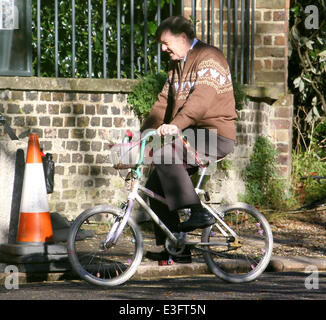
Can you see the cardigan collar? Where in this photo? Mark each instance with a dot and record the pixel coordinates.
(193, 44)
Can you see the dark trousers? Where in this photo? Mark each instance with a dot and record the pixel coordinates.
(173, 181)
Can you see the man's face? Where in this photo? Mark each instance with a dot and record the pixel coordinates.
(176, 45)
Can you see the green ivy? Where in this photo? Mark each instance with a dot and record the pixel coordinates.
(239, 94)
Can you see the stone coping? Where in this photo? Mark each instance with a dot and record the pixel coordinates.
(107, 85)
(67, 84)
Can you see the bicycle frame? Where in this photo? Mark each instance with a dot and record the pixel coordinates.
(119, 225)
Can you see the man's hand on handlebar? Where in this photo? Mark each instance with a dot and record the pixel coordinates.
(165, 129)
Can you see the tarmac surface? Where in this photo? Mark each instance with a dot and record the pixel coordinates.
(151, 269)
(59, 267)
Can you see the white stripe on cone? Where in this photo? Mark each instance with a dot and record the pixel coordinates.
(34, 195)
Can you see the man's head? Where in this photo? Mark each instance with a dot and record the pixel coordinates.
(176, 35)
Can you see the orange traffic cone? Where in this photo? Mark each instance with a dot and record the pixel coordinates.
(34, 221)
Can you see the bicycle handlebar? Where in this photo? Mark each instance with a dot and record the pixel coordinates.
(149, 134)
(152, 133)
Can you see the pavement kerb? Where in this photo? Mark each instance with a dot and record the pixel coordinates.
(148, 270)
(296, 263)
(277, 264)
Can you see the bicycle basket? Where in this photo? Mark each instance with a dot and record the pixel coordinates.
(124, 155)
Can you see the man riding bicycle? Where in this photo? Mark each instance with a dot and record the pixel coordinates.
(197, 98)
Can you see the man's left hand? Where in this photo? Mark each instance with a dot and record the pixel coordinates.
(165, 129)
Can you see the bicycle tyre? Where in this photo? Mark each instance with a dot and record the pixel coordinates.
(103, 266)
(247, 261)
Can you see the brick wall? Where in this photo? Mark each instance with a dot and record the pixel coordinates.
(77, 122)
(271, 42)
(77, 128)
(273, 120)
(270, 119)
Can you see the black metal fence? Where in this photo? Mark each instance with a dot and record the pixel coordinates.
(115, 39)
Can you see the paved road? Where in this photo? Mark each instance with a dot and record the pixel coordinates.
(270, 286)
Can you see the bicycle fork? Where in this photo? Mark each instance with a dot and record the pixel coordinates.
(118, 226)
(121, 221)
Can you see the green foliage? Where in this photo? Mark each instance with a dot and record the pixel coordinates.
(304, 166)
(239, 95)
(224, 165)
(264, 188)
(47, 63)
(145, 93)
(307, 81)
(307, 69)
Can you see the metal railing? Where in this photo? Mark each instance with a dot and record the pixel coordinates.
(238, 46)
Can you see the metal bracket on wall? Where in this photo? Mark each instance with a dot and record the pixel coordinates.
(7, 128)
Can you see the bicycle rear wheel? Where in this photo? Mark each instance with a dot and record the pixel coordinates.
(91, 260)
(242, 258)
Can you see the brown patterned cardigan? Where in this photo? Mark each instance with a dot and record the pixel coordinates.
(201, 96)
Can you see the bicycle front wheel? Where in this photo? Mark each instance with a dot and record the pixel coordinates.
(98, 264)
(240, 258)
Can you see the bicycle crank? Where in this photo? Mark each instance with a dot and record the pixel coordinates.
(171, 248)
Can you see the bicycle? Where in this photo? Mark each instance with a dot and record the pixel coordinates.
(105, 245)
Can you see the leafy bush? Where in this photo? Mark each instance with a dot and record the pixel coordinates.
(264, 188)
(305, 165)
(145, 94)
